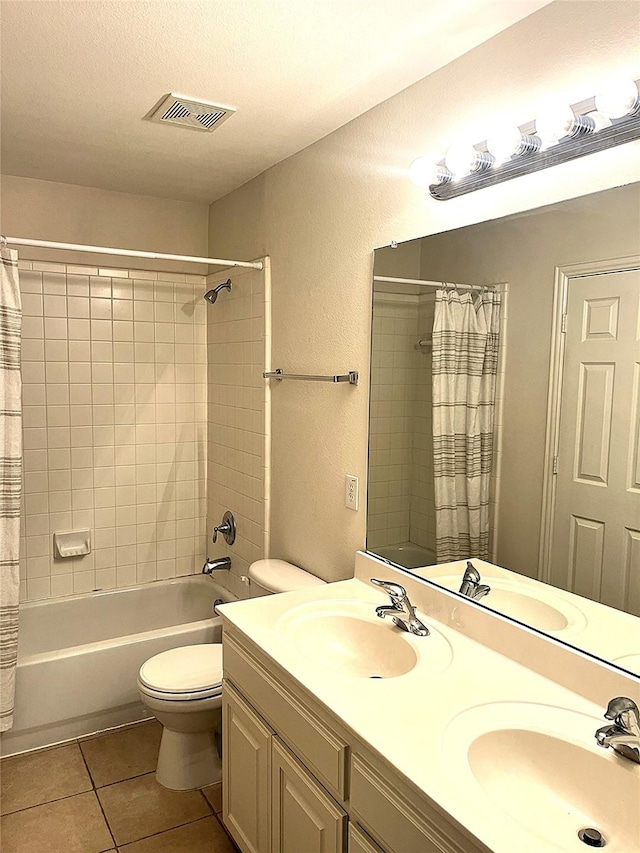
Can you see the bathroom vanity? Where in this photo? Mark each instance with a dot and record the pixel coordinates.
(343, 733)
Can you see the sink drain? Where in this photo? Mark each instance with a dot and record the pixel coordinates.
(591, 837)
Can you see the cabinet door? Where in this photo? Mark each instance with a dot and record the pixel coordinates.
(361, 843)
(246, 776)
(304, 816)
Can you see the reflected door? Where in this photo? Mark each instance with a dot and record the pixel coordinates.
(596, 532)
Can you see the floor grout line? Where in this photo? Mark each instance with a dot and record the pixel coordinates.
(162, 831)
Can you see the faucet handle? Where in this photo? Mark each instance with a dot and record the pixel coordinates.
(396, 591)
(471, 573)
(227, 528)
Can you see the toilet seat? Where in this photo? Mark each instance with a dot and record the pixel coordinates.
(182, 674)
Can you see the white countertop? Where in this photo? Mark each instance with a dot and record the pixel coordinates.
(409, 720)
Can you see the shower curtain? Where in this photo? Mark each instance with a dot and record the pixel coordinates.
(465, 358)
(10, 477)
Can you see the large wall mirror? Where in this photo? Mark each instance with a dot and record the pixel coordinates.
(504, 415)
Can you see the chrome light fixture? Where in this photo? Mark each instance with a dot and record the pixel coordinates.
(561, 133)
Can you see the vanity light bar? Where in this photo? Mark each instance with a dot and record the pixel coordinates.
(557, 136)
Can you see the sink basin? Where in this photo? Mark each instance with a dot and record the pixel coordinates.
(514, 600)
(541, 767)
(347, 637)
(630, 662)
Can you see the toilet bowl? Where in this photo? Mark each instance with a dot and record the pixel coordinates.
(183, 689)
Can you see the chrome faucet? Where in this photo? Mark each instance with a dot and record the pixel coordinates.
(211, 566)
(471, 586)
(401, 609)
(624, 735)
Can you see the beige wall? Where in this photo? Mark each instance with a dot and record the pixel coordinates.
(524, 252)
(320, 214)
(45, 210)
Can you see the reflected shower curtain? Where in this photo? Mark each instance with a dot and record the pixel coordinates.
(465, 360)
(10, 477)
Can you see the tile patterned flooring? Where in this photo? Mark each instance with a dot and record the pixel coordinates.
(99, 795)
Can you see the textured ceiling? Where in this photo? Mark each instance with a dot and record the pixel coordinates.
(77, 78)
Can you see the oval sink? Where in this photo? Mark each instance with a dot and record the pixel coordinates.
(348, 638)
(630, 662)
(541, 766)
(512, 600)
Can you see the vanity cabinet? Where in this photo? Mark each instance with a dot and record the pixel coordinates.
(295, 782)
(271, 802)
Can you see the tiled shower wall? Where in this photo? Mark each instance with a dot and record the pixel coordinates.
(237, 391)
(394, 363)
(114, 397)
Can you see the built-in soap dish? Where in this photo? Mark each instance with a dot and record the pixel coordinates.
(71, 543)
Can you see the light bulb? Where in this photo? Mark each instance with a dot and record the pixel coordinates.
(618, 99)
(424, 172)
(507, 141)
(558, 122)
(600, 120)
(463, 158)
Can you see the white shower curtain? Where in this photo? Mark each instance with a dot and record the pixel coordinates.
(465, 358)
(10, 477)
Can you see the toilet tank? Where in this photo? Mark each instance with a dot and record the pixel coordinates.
(269, 576)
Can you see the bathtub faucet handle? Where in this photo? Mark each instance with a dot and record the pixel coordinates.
(227, 528)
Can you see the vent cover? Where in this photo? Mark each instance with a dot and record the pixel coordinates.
(185, 112)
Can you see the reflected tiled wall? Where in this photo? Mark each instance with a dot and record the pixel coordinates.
(114, 397)
(423, 516)
(394, 362)
(236, 419)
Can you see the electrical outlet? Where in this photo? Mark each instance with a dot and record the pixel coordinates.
(351, 492)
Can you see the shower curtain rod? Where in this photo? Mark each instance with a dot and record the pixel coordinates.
(127, 253)
(432, 283)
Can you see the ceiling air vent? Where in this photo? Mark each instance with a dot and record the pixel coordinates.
(185, 112)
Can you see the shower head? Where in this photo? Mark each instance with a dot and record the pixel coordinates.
(212, 295)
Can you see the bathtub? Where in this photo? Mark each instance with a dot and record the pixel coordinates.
(408, 555)
(78, 657)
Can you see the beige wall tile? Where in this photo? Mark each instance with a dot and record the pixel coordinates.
(97, 383)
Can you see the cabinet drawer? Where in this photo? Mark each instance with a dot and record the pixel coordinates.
(394, 821)
(321, 749)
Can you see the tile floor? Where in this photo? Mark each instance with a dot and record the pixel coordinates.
(99, 795)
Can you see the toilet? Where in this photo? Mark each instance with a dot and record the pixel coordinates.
(182, 688)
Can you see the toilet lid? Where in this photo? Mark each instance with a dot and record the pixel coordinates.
(188, 669)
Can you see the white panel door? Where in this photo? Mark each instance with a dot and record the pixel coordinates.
(596, 530)
(305, 819)
(246, 766)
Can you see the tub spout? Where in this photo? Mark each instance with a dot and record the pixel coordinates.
(211, 566)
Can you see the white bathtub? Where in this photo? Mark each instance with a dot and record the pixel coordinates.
(78, 657)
